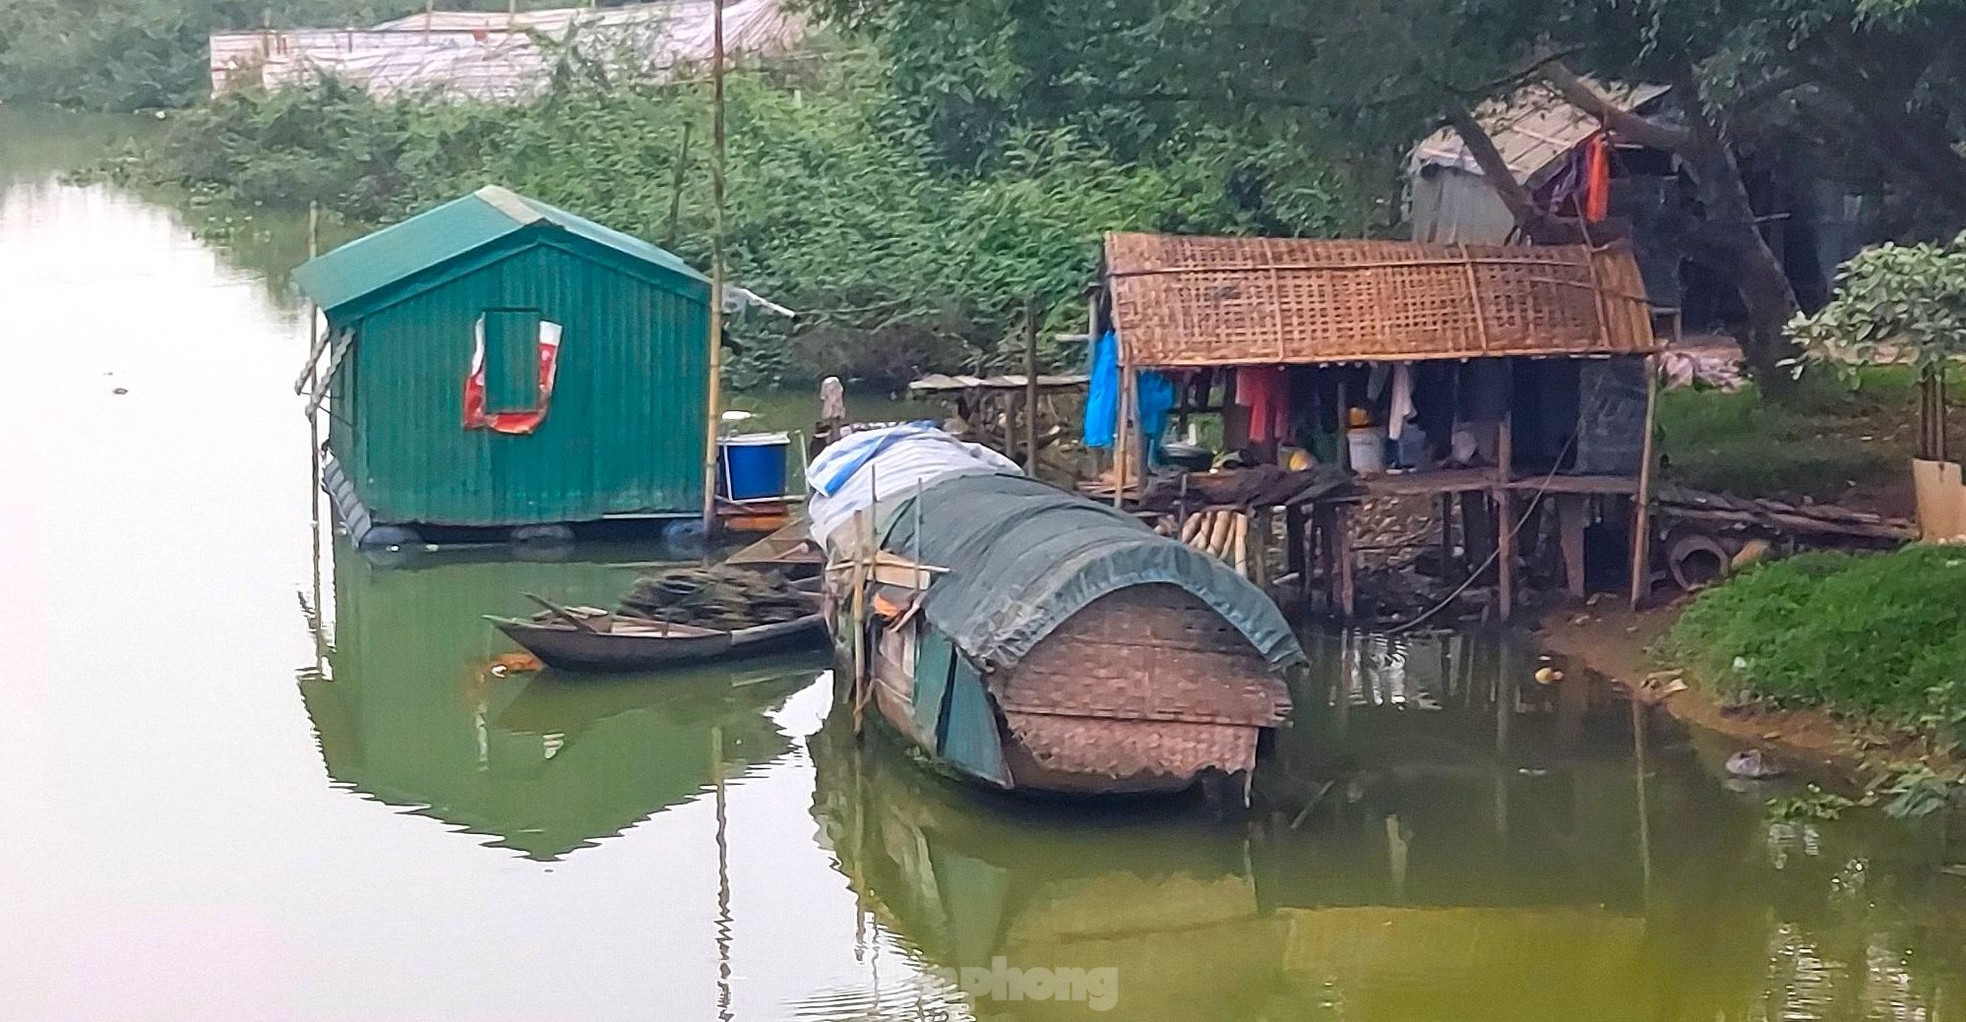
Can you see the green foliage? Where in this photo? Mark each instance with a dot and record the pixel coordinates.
(1810, 804)
(1876, 635)
(1816, 446)
(1893, 303)
(1917, 793)
(836, 205)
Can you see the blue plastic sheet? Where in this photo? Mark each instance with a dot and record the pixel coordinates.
(1103, 393)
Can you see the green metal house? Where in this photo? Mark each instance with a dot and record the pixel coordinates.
(497, 362)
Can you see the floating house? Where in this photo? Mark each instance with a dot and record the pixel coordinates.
(496, 362)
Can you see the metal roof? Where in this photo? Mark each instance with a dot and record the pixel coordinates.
(1193, 301)
(450, 231)
(1532, 129)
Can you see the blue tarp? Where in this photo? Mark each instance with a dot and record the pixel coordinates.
(1022, 557)
(1102, 394)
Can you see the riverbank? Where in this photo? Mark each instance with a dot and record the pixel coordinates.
(1623, 646)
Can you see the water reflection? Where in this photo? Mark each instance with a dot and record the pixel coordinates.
(1490, 851)
(411, 711)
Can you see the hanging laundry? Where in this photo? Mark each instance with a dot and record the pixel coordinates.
(1597, 177)
(1402, 406)
(1103, 392)
(1156, 395)
(1265, 391)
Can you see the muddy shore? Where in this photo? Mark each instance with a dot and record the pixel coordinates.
(1613, 641)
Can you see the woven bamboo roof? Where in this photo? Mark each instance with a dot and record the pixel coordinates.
(1192, 301)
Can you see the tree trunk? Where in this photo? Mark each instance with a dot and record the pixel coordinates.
(1758, 275)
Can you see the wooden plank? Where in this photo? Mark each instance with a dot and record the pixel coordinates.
(1572, 511)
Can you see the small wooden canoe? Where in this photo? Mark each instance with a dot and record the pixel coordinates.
(609, 643)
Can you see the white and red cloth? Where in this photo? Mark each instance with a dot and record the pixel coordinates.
(515, 422)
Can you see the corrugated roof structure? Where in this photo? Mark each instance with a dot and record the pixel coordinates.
(1192, 301)
(495, 55)
(1532, 129)
(451, 231)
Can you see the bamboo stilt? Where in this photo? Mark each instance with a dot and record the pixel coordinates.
(716, 371)
(1642, 509)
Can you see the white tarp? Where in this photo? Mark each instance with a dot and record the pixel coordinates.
(866, 470)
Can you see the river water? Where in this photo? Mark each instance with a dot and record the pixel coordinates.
(243, 782)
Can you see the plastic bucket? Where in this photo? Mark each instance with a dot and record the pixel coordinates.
(752, 465)
(1368, 450)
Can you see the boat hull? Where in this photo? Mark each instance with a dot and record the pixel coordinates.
(566, 648)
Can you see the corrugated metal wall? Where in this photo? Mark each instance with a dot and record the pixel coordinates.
(622, 434)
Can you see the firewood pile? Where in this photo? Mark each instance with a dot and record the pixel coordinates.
(717, 597)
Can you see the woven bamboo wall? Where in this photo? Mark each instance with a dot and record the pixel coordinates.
(1189, 301)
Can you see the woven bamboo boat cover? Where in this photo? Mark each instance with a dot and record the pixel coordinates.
(1193, 301)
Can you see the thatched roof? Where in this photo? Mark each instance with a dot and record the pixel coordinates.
(1191, 301)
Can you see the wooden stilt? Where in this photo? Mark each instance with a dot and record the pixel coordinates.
(1261, 524)
(1446, 507)
(1572, 511)
(1477, 530)
(1347, 569)
(1642, 504)
(1505, 518)
(1123, 439)
(1293, 548)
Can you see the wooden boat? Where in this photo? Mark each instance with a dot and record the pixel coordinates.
(1031, 640)
(592, 641)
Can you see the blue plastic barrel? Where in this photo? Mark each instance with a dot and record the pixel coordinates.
(752, 465)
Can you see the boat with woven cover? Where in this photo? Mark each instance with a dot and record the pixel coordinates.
(1033, 640)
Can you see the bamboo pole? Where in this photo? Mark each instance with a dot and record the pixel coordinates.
(1642, 513)
(716, 372)
(1123, 436)
(1505, 522)
(314, 437)
(1031, 386)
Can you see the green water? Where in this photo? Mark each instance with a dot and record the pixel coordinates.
(243, 781)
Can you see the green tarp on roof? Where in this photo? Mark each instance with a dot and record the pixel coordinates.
(1022, 557)
(456, 228)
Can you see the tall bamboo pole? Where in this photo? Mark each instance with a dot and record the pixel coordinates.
(1641, 549)
(1031, 386)
(716, 267)
(315, 483)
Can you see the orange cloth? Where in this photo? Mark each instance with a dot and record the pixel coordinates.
(1265, 391)
(1597, 177)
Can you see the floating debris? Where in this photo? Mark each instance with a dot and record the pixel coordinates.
(1751, 765)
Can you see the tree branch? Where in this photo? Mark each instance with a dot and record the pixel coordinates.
(1621, 122)
(1542, 226)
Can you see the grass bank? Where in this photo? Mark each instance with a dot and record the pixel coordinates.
(1879, 638)
(1833, 443)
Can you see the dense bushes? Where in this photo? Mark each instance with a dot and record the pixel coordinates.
(1882, 636)
(836, 206)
